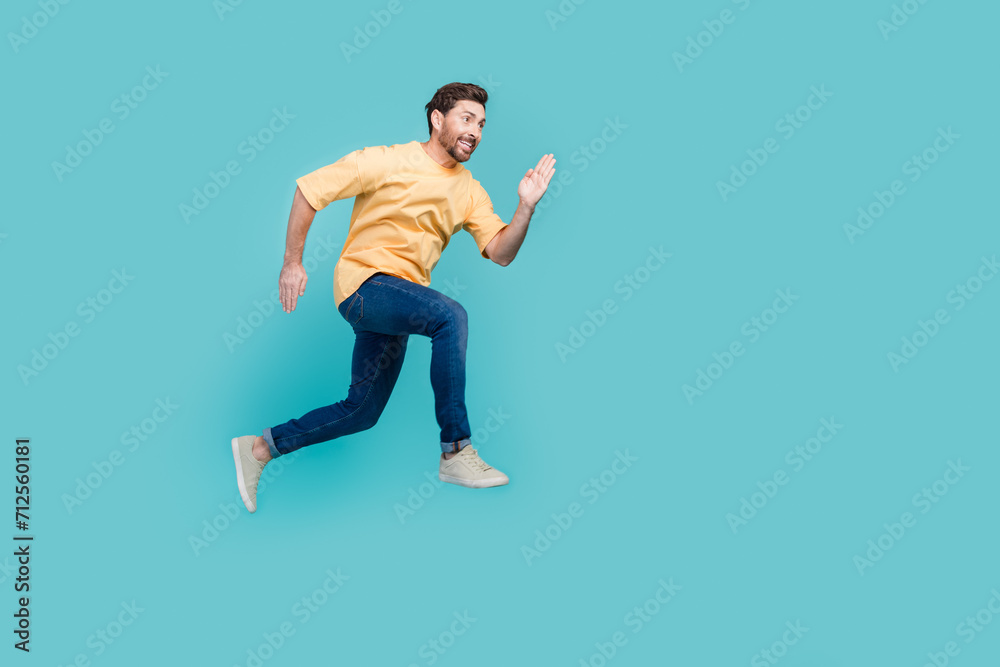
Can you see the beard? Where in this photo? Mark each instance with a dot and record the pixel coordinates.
(449, 142)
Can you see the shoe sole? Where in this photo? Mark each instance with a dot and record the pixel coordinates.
(472, 483)
(239, 476)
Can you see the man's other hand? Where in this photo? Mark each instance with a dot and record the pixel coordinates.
(291, 284)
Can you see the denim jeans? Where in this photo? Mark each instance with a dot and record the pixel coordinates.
(384, 311)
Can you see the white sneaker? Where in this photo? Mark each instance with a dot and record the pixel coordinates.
(467, 469)
(248, 470)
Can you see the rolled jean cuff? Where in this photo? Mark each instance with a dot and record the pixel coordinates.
(455, 446)
(270, 443)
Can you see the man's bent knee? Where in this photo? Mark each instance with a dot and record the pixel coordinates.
(367, 417)
(457, 317)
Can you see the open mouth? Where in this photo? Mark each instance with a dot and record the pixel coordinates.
(465, 144)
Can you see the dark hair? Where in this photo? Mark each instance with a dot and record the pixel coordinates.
(446, 97)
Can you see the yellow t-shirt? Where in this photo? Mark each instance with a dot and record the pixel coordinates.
(406, 208)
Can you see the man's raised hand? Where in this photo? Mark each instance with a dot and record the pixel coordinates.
(536, 180)
(291, 284)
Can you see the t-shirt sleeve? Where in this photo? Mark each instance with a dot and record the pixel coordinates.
(349, 176)
(482, 222)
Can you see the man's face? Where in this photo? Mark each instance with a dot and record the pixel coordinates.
(462, 129)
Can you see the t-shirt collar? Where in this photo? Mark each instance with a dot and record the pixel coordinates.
(444, 170)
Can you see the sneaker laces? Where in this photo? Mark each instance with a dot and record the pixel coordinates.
(473, 461)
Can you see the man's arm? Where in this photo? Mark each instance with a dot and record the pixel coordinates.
(292, 281)
(503, 247)
(314, 192)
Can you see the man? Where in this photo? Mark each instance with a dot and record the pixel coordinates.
(409, 200)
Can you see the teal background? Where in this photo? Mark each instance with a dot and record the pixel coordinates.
(335, 504)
